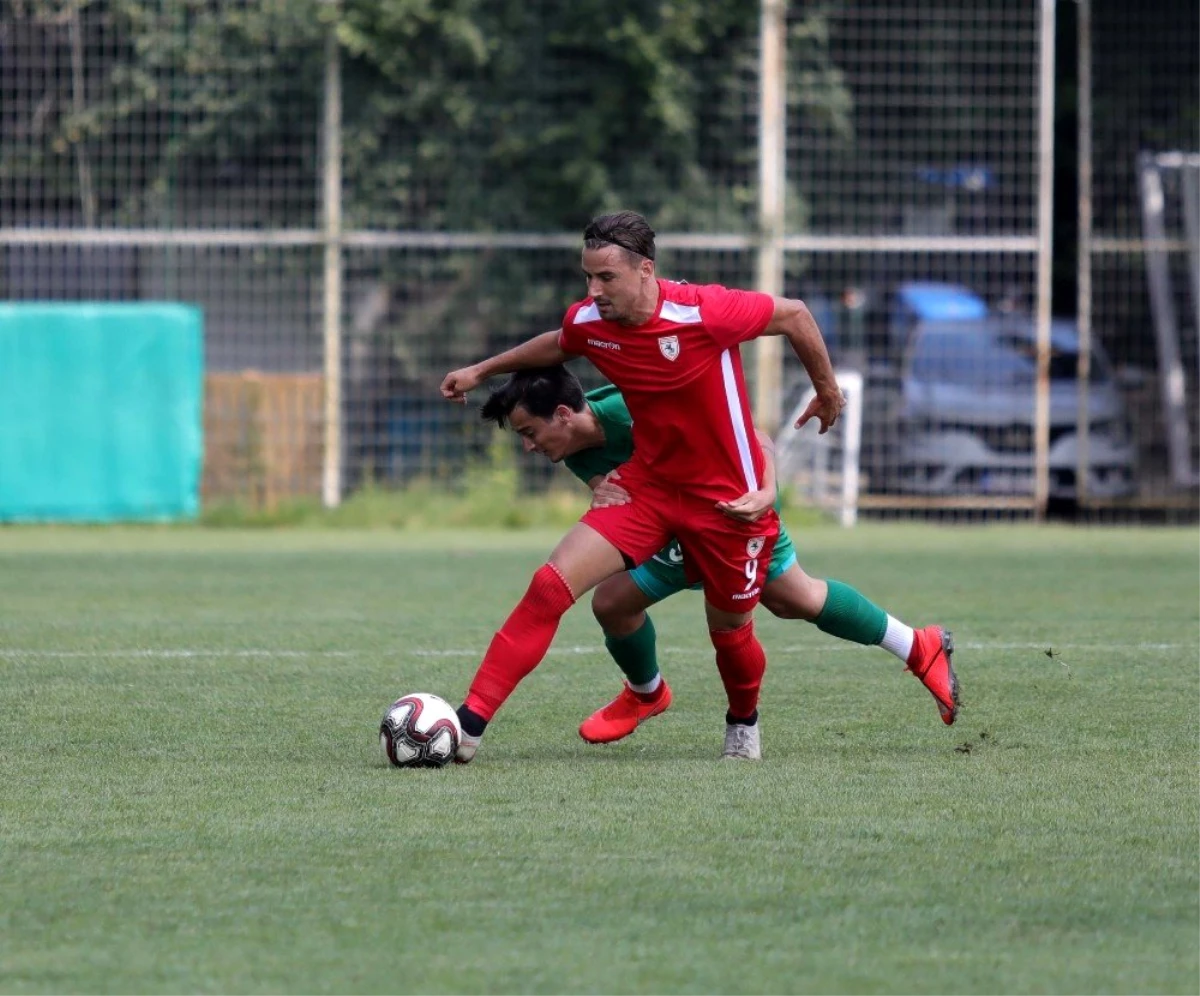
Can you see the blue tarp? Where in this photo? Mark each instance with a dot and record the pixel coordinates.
(100, 411)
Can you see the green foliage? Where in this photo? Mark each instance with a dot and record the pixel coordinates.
(464, 115)
(158, 89)
(535, 117)
(487, 494)
(426, 504)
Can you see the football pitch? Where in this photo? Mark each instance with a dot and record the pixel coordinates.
(192, 796)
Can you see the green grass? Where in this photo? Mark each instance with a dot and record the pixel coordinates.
(192, 797)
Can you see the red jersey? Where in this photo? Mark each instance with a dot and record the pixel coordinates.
(681, 376)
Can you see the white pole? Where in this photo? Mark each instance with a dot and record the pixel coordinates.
(1084, 271)
(851, 382)
(772, 180)
(331, 477)
(1041, 408)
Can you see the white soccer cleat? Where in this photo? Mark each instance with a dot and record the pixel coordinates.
(467, 746)
(742, 743)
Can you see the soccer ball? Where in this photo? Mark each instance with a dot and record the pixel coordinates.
(419, 731)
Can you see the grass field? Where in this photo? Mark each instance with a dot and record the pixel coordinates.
(192, 797)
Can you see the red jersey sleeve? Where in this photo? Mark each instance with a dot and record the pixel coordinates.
(569, 338)
(733, 316)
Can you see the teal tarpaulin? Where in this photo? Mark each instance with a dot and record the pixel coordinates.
(100, 411)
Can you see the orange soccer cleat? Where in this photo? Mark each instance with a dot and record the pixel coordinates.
(929, 660)
(623, 715)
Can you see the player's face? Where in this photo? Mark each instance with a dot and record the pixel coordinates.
(551, 437)
(614, 283)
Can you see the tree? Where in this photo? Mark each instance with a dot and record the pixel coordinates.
(459, 115)
(160, 103)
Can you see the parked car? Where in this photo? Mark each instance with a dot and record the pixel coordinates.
(891, 316)
(966, 412)
(869, 326)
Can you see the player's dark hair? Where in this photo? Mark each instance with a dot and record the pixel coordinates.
(626, 230)
(539, 391)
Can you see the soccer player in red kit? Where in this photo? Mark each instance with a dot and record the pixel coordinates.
(672, 351)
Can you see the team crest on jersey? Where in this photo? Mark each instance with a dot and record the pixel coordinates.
(754, 546)
(669, 345)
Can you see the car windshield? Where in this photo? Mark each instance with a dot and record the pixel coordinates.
(980, 357)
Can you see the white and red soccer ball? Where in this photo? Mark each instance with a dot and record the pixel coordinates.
(419, 730)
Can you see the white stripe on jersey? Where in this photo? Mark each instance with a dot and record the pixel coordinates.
(681, 314)
(733, 399)
(589, 314)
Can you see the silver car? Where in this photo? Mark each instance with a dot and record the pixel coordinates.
(966, 413)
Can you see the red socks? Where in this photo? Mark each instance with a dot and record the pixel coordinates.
(521, 642)
(526, 635)
(742, 663)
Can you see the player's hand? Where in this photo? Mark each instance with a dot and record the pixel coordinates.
(608, 493)
(458, 382)
(824, 407)
(751, 506)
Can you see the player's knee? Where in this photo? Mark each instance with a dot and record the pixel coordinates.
(783, 608)
(548, 593)
(618, 614)
(795, 596)
(608, 609)
(814, 591)
(723, 623)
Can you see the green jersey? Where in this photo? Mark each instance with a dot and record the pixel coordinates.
(609, 408)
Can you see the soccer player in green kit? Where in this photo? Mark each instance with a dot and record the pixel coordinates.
(592, 435)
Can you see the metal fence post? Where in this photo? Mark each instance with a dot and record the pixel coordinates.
(331, 470)
(772, 182)
(1041, 408)
(1084, 251)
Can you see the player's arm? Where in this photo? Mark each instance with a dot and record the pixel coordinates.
(540, 351)
(795, 322)
(768, 448)
(751, 506)
(606, 491)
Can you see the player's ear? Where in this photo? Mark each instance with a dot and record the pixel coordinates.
(563, 414)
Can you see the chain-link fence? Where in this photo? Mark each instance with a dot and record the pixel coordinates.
(1140, 235)
(932, 161)
(360, 201)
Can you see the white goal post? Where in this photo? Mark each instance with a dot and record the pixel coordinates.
(824, 469)
(1184, 169)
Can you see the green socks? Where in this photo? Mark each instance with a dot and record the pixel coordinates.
(635, 654)
(846, 615)
(849, 616)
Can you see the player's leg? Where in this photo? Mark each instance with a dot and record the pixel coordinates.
(582, 559)
(604, 542)
(742, 663)
(731, 558)
(842, 611)
(620, 605)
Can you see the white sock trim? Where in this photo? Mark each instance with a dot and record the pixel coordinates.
(898, 639)
(649, 688)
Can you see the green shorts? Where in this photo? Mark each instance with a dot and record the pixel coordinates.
(662, 575)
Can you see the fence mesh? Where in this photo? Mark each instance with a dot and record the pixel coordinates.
(918, 122)
(1145, 112)
(175, 150)
(168, 115)
(919, 119)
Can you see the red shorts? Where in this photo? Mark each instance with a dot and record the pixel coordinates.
(730, 557)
